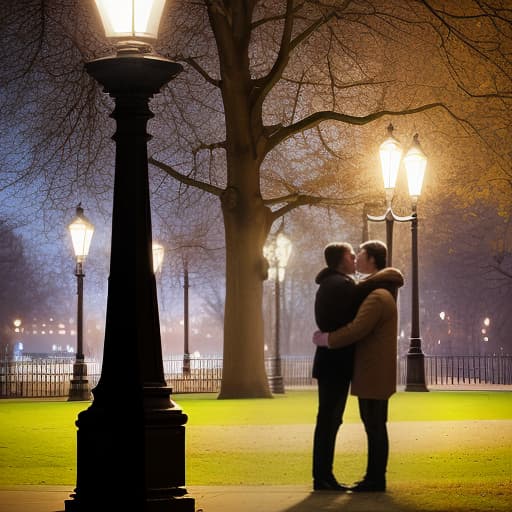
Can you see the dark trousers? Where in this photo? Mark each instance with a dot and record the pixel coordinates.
(374, 414)
(332, 397)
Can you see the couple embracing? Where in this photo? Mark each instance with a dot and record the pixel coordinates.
(356, 350)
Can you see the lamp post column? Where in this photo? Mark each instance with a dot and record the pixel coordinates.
(277, 254)
(186, 348)
(389, 236)
(80, 312)
(277, 377)
(415, 379)
(79, 386)
(133, 429)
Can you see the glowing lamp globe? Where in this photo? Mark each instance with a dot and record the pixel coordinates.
(415, 162)
(81, 231)
(390, 155)
(158, 256)
(131, 19)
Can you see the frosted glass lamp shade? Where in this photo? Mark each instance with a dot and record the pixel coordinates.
(131, 19)
(158, 256)
(283, 251)
(277, 254)
(415, 162)
(390, 155)
(81, 231)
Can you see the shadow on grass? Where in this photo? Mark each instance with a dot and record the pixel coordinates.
(367, 502)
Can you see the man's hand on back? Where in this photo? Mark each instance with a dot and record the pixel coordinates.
(320, 338)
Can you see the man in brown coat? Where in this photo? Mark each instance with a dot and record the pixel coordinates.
(374, 379)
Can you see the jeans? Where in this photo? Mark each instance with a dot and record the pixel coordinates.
(374, 414)
(332, 397)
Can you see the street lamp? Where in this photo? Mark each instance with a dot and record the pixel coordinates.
(81, 231)
(277, 253)
(132, 429)
(186, 330)
(415, 162)
(17, 324)
(158, 256)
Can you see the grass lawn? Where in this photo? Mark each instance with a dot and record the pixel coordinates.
(457, 444)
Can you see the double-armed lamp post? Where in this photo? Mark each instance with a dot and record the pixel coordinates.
(81, 231)
(277, 253)
(415, 162)
(131, 440)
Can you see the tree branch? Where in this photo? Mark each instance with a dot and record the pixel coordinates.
(296, 200)
(193, 64)
(264, 85)
(282, 133)
(207, 187)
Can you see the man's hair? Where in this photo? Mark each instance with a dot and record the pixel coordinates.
(333, 253)
(377, 250)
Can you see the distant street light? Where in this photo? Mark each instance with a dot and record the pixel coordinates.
(81, 231)
(133, 431)
(277, 253)
(158, 256)
(415, 162)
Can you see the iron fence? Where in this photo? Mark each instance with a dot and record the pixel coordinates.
(461, 370)
(50, 377)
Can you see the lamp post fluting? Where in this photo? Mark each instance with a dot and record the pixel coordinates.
(132, 429)
(415, 163)
(81, 231)
(277, 254)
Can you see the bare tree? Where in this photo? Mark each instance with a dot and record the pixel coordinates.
(276, 110)
(23, 288)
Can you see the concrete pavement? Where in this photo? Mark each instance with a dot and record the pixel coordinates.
(286, 498)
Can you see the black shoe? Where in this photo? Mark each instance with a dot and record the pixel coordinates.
(329, 485)
(369, 486)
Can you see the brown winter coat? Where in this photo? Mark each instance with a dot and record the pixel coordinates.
(375, 331)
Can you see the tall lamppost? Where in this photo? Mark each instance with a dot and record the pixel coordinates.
(186, 330)
(277, 253)
(132, 429)
(81, 231)
(415, 162)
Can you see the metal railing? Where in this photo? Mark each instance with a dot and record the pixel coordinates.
(461, 370)
(201, 375)
(50, 377)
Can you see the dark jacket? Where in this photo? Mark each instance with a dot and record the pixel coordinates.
(334, 307)
(336, 303)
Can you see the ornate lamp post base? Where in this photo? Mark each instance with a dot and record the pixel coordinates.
(131, 460)
(79, 389)
(276, 384)
(415, 379)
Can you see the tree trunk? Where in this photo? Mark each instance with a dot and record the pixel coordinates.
(246, 219)
(246, 227)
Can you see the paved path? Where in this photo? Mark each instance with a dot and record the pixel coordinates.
(289, 498)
